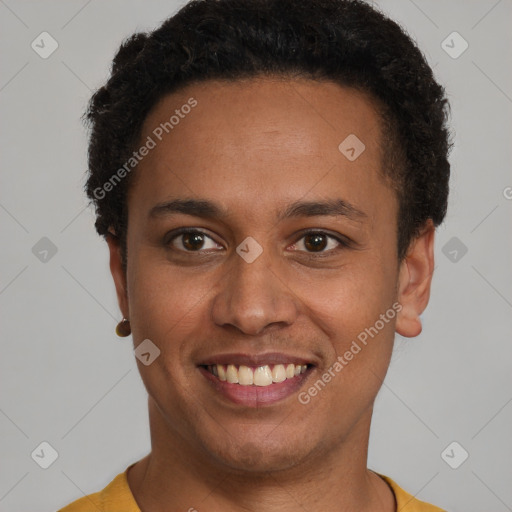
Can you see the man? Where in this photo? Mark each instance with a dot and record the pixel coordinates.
(268, 175)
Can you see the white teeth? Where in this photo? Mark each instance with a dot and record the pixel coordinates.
(245, 376)
(232, 374)
(261, 376)
(278, 373)
(221, 372)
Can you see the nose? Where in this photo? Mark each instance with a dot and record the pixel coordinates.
(253, 297)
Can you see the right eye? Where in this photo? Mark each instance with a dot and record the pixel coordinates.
(191, 240)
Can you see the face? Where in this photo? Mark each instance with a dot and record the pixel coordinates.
(259, 252)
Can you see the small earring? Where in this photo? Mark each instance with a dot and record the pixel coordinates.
(123, 328)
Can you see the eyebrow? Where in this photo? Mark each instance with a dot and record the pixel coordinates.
(208, 209)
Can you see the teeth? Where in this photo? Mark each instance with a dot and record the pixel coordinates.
(278, 373)
(245, 376)
(260, 376)
(221, 371)
(232, 374)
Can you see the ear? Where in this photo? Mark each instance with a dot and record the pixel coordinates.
(415, 278)
(118, 273)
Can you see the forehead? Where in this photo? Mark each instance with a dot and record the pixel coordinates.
(278, 139)
(287, 107)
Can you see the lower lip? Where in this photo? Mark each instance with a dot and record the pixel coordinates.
(256, 396)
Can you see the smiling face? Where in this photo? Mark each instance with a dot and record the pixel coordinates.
(290, 253)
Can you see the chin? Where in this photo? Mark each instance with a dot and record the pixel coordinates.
(258, 456)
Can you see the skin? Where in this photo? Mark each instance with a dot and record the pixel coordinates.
(253, 147)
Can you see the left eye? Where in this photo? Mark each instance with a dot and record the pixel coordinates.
(317, 242)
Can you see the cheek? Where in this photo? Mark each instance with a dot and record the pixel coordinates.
(359, 319)
(349, 299)
(165, 301)
(166, 307)
(354, 308)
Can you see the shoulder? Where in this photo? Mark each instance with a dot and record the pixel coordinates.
(115, 497)
(407, 503)
(90, 502)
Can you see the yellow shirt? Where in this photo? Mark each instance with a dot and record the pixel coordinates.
(117, 497)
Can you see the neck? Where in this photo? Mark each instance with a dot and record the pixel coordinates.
(177, 477)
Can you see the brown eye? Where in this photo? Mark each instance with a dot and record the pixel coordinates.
(315, 242)
(320, 243)
(191, 240)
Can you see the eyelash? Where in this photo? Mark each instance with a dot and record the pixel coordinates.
(343, 242)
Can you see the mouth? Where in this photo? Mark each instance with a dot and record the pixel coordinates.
(262, 376)
(255, 381)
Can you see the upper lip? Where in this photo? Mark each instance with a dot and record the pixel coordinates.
(255, 359)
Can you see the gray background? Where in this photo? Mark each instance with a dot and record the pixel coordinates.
(68, 380)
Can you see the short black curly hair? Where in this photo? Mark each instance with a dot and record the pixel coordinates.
(345, 41)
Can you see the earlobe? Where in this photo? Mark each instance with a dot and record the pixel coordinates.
(118, 273)
(414, 282)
